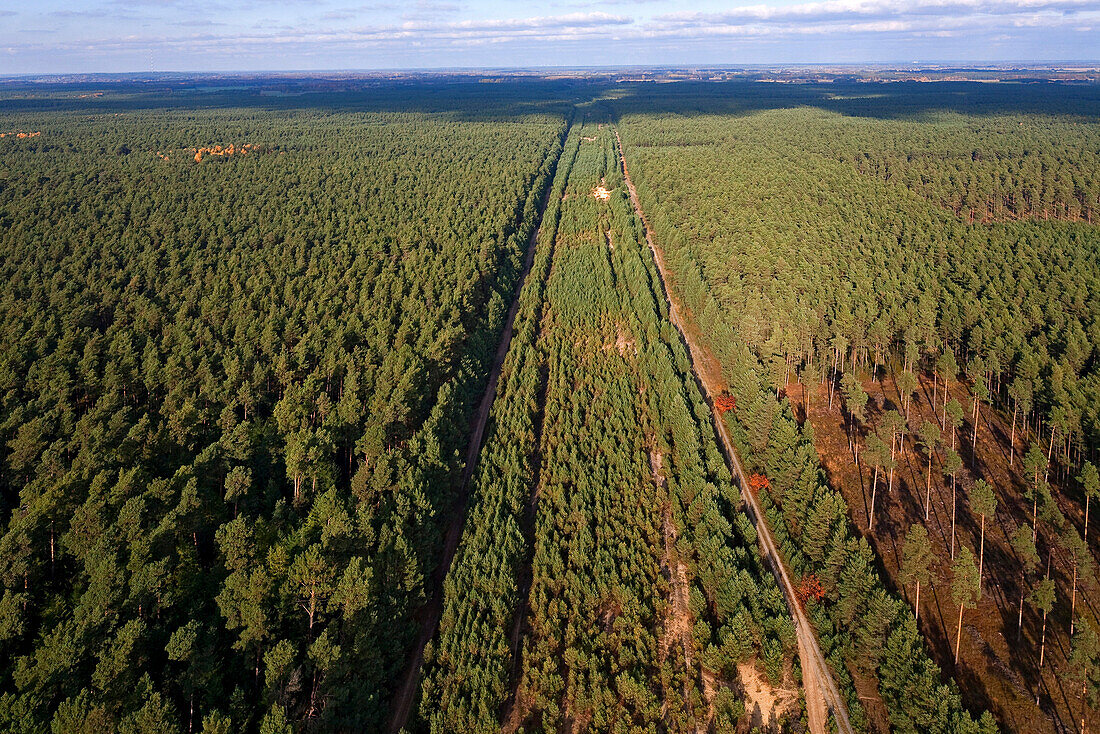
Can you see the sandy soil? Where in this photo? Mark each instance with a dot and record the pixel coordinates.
(764, 704)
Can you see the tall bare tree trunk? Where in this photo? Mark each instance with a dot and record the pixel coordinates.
(1086, 533)
(890, 490)
(874, 486)
(916, 604)
(312, 697)
(1012, 437)
(928, 488)
(1035, 517)
(954, 493)
(1020, 615)
(943, 422)
(1050, 453)
(974, 437)
(981, 558)
(958, 635)
(1084, 706)
(1042, 644)
(832, 383)
(1073, 596)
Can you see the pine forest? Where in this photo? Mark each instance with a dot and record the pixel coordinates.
(444, 403)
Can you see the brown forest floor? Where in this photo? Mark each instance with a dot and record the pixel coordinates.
(994, 671)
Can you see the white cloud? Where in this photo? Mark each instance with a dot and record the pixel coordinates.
(875, 15)
(571, 26)
(823, 18)
(438, 29)
(841, 9)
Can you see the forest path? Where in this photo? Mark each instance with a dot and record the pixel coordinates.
(679, 621)
(822, 694)
(433, 611)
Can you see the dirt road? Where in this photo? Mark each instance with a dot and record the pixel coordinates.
(405, 695)
(822, 695)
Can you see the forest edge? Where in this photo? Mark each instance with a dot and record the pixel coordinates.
(432, 612)
(822, 694)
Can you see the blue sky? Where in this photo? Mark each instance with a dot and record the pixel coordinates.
(212, 35)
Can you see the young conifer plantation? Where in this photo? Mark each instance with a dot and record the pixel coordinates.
(607, 579)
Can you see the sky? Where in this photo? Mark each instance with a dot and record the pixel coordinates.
(67, 36)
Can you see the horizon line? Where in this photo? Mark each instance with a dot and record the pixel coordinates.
(909, 66)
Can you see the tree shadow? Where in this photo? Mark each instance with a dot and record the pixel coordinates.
(499, 96)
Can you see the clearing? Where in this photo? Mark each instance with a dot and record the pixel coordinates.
(995, 671)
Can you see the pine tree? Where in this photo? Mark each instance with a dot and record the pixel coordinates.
(1042, 600)
(1021, 393)
(977, 370)
(916, 561)
(952, 463)
(1023, 544)
(1034, 463)
(984, 502)
(216, 722)
(965, 589)
(878, 454)
(237, 484)
(907, 385)
(1084, 662)
(953, 418)
(930, 440)
(1090, 482)
(896, 424)
(840, 347)
(1081, 563)
(949, 369)
(855, 402)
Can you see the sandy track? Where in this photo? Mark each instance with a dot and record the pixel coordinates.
(822, 695)
(433, 611)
